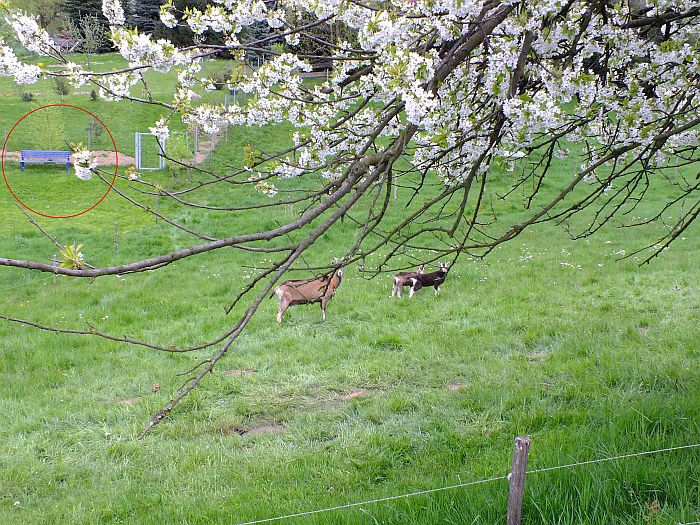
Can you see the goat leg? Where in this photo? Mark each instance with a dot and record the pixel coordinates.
(283, 306)
(414, 282)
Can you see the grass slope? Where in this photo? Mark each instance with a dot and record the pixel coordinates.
(122, 118)
(546, 337)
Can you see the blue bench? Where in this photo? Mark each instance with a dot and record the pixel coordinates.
(38, 156)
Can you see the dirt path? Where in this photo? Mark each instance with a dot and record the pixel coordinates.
(107, 158)
(104, 158)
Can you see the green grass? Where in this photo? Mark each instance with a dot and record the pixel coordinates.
(555, 339)
(122, 119)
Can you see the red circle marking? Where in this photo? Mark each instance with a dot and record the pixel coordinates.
(116, 159)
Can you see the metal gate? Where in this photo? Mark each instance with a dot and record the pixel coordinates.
(150, 159)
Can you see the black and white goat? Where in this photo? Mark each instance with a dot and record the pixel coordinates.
(434, 279)
(402, 279)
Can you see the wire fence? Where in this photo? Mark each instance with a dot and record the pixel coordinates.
(432, 490)
(472, 483)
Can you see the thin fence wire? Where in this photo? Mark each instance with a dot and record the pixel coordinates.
(3, 290)
(470, 483)
(601, 460)
(377, 500)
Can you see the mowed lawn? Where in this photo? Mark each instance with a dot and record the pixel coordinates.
(591, 356)
(122, 119)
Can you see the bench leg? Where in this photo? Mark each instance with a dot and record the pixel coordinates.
(68, 166)
(21, 166)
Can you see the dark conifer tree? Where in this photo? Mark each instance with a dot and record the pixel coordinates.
(144, 15)
(75, 9)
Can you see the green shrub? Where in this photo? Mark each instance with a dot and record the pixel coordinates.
(61, 86)
(178, 150)
(27, 97)
(95, 130)
(47, 127)
(220, 78)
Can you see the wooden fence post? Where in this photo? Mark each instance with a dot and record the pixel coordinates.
(517, 480)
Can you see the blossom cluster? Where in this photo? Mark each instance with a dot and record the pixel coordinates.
(161, 130)
(30, 35)
(10, 66)
(582, 70)
(142, 50)
(83, 164)
(114, 12)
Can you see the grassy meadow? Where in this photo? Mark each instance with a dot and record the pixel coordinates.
(122, 119)
(590, 355)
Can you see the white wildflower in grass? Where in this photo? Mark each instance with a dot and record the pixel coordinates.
(132, 173)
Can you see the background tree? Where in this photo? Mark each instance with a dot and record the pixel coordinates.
(430, 97)
(78, 13)
(144, 15)
(259, 32)
(49, 12)
(320, 41)
(75, 9)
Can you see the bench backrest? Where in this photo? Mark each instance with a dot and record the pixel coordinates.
(44, 154)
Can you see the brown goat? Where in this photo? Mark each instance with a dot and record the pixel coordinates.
(402, 279)
(307, 291)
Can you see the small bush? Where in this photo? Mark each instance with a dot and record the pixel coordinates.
(27, 97)
(178, 151)
(220, 77)
(61, 86)
(95, 130)
(93, 95)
